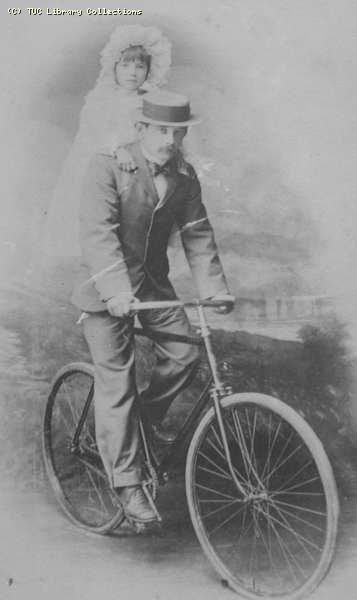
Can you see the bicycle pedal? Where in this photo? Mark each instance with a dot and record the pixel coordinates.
(151, 502)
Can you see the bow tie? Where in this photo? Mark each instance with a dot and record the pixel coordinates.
(156, 169)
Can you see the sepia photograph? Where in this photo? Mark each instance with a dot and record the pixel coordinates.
(178, 300)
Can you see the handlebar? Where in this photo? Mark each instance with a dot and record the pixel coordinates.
(151, 305)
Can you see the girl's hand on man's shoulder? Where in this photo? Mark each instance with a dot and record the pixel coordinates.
(124, 159)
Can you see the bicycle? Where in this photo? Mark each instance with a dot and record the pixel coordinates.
(260, 489)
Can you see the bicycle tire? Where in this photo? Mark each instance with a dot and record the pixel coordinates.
(323, 523)
(78, 481)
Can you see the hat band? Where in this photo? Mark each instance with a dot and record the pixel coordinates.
(171, 114)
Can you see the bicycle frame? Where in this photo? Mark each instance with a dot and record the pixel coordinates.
(215, 387)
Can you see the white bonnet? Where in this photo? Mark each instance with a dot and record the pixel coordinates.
(153, 41)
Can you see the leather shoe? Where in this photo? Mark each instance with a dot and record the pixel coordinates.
(161, 435)
(135, 504)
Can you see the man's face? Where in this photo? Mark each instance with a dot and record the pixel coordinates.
(161, 142)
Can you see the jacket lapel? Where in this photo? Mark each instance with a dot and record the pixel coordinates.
(171, 187)
(173, 179)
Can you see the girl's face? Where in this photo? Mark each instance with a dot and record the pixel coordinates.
(131, 73)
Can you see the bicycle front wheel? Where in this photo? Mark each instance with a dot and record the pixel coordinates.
(276, 540)
(73, 464)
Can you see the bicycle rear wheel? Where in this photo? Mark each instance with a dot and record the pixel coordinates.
(279, 540)
(75, 470)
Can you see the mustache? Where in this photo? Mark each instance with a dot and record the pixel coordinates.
(168, 148)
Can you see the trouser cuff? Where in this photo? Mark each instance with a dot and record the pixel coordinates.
(125, 479)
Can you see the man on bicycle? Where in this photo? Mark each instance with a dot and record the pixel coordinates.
(125, 223)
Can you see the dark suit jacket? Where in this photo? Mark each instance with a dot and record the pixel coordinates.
(124, 232)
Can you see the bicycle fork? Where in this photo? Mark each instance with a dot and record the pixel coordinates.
(218, 391)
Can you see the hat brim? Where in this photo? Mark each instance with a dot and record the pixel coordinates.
(138, 116)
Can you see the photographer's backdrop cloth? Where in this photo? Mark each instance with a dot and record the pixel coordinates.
(275, 85)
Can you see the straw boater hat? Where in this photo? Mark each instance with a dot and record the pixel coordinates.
(166, 108)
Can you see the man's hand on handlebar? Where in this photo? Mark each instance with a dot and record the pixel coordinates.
(227, 303)
(121, 305)
(126, 304)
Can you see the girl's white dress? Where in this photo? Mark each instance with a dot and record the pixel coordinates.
(105, 122)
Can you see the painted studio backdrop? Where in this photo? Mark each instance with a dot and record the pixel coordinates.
(274, 82)
(274, 85)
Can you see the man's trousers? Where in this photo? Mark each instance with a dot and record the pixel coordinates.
(111, 343)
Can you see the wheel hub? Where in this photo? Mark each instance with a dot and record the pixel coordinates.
(254, 496)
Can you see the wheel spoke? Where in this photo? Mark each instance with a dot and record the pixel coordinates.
(93, 468)
(227, 520)
(303, 508)
(215, 473)
(285, 552)
(267, 461)
(217, 510)
(245, 528)
(212, 444)
(299, 538)
(222, 454)
(253, 547)
(267, 546)
(283, 493)
(99, 496)
(270, 451)
(236, 472)
(76, 415)
(276, 463)
(93, 509)
(251, 431)
(301, 520)
(214, 464)
(242, 531)
(219, 441)
(247, 458)
(66, 424)
(292, 531)
(241, 442)
(215, 501)
(276, 468)
(92, 450)
(297, 485)
(204, 487)
(296, 474)
(67, 397)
